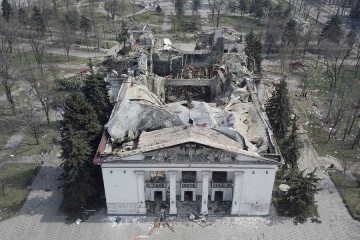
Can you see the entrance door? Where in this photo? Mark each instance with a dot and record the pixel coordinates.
(158, 197)
(219, 196)
(188, 195)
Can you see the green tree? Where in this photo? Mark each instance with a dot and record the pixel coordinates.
(243, 6)
(253, 51)
(95, 91)
(290, 148)
(278, 110)
(23, 16)
(6, 9)
(158, 9)
(81, 116)
(290, 33)
(299, 200)
(259, 13)
(78, 183)
(81, 131)
(37, 22)
(332, 30)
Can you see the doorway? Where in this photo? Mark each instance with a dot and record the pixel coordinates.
(219, 196)
(158, 196)
(188, 195)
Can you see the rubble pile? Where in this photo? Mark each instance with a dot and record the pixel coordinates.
(181, 93)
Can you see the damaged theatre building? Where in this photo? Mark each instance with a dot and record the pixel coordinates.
(188, 132)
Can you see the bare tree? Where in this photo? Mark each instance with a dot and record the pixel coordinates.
(32, 120)
(307, 9)
(220, 6)
(41, 88)
(357, 64)
(7, 78)
(37, 46)
(335, 56)
(10, 31)
(307, 38)
(318, 11)
(93, 20)
(4, 183)
(68, 38)
(356, 111)
(212, 5)
(179, 7)
(67, 3)
(195, 5)
(272, 36)
(305, 82)
(56, 7)
(110, 8)
(357, 137)
(340, 105)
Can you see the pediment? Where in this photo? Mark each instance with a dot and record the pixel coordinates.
(194, 153)
(187, 144)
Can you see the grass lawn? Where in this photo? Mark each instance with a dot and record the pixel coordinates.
(317, 130)
(28, 145)
(240, 23)
(349, 192)
(15, 177)
(48, 58)
(127, 8)
(13, 88)
(185, 24)
(8, 127)
(151, 17)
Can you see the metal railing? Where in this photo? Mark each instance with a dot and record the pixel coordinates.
(188, 185)
(222, 185)
(155, 185)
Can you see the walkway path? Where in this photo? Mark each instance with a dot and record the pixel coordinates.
(168, 9)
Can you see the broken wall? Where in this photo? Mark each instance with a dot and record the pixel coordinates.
(161, 65)
(158, 86)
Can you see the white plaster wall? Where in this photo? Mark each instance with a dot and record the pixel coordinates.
(256, 191)
(120, 190)
(121, 187)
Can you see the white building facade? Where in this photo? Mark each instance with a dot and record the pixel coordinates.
(188, 164)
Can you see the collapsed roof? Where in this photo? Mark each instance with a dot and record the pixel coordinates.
(230, 119)
(140, 111)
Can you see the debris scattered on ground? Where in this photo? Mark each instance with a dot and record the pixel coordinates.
(160, 221)
(315, 220)
(78, 221)
(197, 218)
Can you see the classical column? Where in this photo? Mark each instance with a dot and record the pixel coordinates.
(205, 192)
(173, 209)
(237, 190)
(141, 191)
